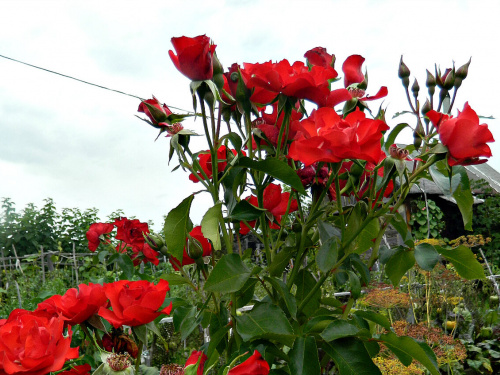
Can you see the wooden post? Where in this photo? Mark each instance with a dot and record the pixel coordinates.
(18, 262)
(43, 265)
(18, 295)
(76, 265)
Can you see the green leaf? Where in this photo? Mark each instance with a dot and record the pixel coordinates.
(374, 317)
(210, 225)
(355, 285)
(174, 278)
(327, 255)
(277, 169)
(228, 276)
(339, 329)
(441, 177)
(391, 138)
(145, 370)
(280, 261)
(399, 223)
(175, 228)
(126, 265)
(463, 196)
(265, 321)
(246, 293)
(216, 338)
(185, 320)
(464, 262)
(406, 348)
(364, 240)
(327, 231)
(288, 298)
(361, 267)
(142, 333)
(351, 357)
(397, 266)
(305, 282)
(426, 256)
(245, 211)
(235, 140)
(304, 357)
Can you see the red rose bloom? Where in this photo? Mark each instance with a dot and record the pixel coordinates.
(76, 306)
(34, 344)
(131, 231)
(144, 254)
(319, 57)
(96, 233)
(275, 202)
(327, 137)
(194, 57)
(156, 118)
(205, 161)
(186, 259)
(463, 135)
(193, 360)
(254, 365)
(295, 81)
(134, 303)
(78, 370)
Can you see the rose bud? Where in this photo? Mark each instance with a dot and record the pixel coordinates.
(449, 81)
(430, 82)
(194, 248)
(426, 108)
(218, 77)
(463, 71)
(415, 88)
(404, 73)
(155, 241)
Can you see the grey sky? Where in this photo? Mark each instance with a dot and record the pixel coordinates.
(83, 146)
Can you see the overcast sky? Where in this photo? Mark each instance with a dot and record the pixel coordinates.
(83, 146)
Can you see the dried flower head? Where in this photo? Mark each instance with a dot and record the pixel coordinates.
(172, 369)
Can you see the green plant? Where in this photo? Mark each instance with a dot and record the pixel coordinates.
(426, 220)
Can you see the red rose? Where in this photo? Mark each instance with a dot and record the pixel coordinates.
(96, 233)
(205, 161)
(327, 137)
(131, 231)
(463, 135)
(186, 259)
(319, 57)
(157, 117)
(144, 254)
(295, 81)
(194, 57)
(76, 306)
(254, 365)
(275, 202)
(34, 344)
(78, 370)
(134, 303)
(193, 360)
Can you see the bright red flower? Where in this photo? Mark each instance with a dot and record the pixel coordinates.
(134, 303)
(144, 254)
(34, 344)
(353, 75)
(327, 137)
(131, 231)
(194, 57)
(78, 370)
(205, 161)
(270, 125)
(254, 365)
(319, 57)
(275, 202)
(157, 118)
(186, 259)
(463, 135)
(295, 81)
(193, 360)
(76, 306)
(96, 233)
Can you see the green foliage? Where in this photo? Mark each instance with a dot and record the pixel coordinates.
(421, 227)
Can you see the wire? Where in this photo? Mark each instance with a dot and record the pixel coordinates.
(86, 82)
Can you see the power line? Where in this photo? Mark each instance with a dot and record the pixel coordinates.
(86, 82)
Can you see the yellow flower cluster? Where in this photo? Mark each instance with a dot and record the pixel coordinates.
(392, 366)
(470, 240)
(432, 241)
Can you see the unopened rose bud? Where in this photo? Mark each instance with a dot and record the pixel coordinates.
(463, 71)
(418, 134)
(415, 88)
(194, 248)
(430, 82)
(155, 241)
(404, 73)
(218, 77)
(426, 108)
(449, 80)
